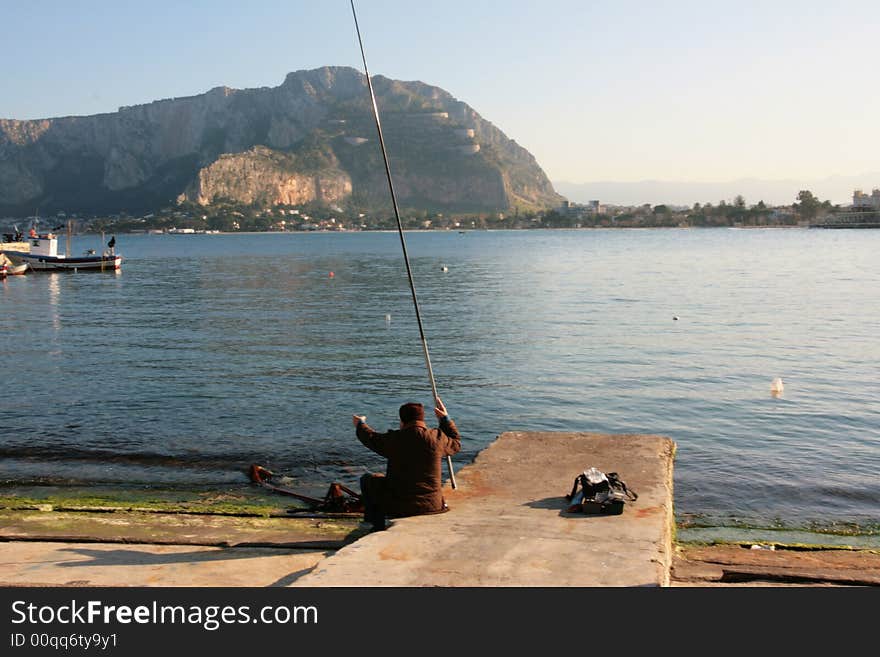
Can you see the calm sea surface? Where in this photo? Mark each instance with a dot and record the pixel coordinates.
(207, 353)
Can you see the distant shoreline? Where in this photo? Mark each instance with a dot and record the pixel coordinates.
(410, 231)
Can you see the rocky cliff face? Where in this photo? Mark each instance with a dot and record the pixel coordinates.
(312, 139)
(266, 177)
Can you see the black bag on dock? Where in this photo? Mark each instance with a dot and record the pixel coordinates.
(594, 492)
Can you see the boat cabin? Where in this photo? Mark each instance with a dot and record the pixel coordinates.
(45, 245)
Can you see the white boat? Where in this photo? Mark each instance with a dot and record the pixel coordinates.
(13, 270)
(9, 267)
(44, 256)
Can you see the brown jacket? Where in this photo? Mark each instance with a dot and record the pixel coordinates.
(413, 475)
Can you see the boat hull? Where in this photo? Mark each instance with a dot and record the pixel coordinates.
(86, 263)
(16, 270)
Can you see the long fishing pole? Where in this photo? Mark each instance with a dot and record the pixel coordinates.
(412, 285)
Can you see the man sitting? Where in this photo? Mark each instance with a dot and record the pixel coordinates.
(412, 482)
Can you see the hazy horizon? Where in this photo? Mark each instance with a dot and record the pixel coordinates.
(836, 189)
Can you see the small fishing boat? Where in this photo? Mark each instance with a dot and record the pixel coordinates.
(9, 267)
(44, 256)
(13, 270)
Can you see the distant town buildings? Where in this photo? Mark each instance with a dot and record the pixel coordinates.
(862, 201)
(581, 209)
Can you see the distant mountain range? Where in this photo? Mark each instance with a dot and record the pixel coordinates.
(310, 140)
(837, 189)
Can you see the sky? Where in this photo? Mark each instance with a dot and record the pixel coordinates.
(624, 90)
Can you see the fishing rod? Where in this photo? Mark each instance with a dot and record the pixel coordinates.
(412, 285)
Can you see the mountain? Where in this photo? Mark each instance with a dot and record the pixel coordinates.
(311, 139)
(837, 189)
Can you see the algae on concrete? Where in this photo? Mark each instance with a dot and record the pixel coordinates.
(178, 529)
(247, 501)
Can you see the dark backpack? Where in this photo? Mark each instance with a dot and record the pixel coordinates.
(595, 492)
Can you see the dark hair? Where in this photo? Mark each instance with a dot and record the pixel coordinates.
(411, 411)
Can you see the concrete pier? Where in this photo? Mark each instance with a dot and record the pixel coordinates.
(508, 527)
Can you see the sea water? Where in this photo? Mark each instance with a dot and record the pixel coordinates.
(207, 353)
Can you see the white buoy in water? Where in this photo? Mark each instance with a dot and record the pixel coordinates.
(777, 387)
(388, 318)
(444, 268)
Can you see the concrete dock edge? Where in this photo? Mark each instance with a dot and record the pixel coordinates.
(508, 527)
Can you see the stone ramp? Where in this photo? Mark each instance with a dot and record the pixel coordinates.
(507, 525)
